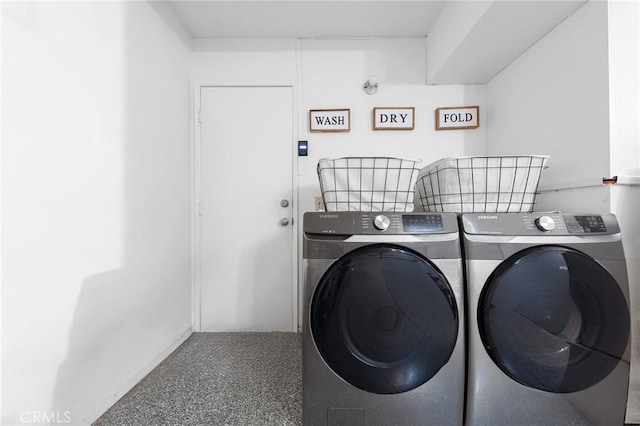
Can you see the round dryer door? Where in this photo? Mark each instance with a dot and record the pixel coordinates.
(384, 319)
(553, 319)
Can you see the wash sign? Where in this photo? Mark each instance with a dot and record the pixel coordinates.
(329, 120)
(451, 118)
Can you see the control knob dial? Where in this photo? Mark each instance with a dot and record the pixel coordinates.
(381, 222)
(545, 223)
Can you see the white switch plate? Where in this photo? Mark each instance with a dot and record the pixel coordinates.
(319, 204)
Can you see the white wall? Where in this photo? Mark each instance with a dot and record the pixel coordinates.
(554, 99)
(624, 106)
(96, 204)
(449, 32)
(575, 95)
(241, 60)
(471, 41)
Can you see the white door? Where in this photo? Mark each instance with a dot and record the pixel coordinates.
(246, 194)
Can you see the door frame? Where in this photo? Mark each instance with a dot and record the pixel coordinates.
(196, 194)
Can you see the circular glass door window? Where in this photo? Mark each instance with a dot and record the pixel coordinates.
(384, 319)
(552, 318)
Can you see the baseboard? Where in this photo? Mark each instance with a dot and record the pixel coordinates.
(99, 410)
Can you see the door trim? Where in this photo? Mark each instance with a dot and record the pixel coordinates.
(196, 194)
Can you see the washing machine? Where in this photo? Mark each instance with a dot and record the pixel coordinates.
(548, 309)
(383, 321)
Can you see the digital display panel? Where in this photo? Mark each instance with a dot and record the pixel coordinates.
(585, 224)
(422, 223)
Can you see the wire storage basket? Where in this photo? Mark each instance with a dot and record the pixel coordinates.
(481, 184)
(368, 183)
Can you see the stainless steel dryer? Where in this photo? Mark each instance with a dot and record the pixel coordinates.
(548, 319)
(383, 319)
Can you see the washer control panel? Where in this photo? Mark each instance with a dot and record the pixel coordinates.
(379, 223)
(399, 223)
(539, 224)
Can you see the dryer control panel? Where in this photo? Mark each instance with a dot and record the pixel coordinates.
(539, 224)
(585, 224)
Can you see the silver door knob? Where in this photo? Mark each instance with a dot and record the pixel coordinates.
(284, 203)
(284, 222)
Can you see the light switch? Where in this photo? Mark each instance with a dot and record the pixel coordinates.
(303, 148)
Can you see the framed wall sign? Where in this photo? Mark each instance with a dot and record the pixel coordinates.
(452, 118)
(329, 120)
(393, 118)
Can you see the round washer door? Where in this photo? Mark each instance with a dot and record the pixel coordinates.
(384, 319)
(552, 318)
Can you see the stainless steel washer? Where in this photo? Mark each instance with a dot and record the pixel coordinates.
(548, 319)
(383, 319)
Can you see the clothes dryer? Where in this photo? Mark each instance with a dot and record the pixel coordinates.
(383, 328)
(548, 319)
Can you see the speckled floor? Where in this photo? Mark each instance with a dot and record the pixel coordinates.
(219, 379)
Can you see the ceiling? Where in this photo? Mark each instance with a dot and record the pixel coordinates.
(473, 39)
(307, 18)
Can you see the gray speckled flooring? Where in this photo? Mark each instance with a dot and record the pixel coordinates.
(219, 379)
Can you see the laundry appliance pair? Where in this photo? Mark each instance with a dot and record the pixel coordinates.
(392, 334)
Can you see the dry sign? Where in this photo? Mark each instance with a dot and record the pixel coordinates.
(451, 118)
(393, 118)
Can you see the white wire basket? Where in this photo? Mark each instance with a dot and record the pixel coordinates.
(368, 183)
(481, 184)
